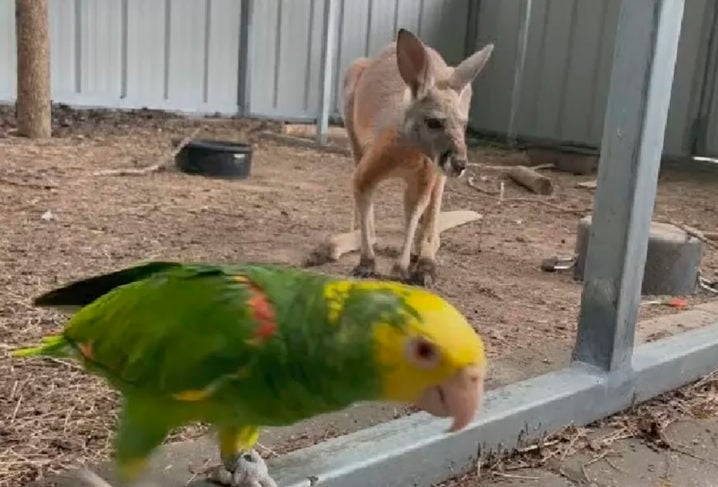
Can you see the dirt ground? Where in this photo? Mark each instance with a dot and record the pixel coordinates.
(60, 222)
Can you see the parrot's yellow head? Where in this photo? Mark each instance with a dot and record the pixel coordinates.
(435, 360)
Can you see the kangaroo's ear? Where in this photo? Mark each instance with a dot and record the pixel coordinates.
(470, 68)
(413, 62)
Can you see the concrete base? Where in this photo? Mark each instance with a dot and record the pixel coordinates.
(672, 263)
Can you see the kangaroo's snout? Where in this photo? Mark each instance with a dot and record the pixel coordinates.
(452, 164)
(458, 164)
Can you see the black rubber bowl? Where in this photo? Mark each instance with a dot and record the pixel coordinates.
(216, 158)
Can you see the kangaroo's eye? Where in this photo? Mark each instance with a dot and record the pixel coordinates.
(434, 123)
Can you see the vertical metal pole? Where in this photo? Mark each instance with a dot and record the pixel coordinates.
(707, 86)
(519, 71)
(472, 27)
(637, 108)
(328, 49)
(123, 52)
(78, 46)
(167, 49)
(245, 57)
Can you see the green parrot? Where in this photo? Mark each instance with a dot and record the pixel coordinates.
(253, 345)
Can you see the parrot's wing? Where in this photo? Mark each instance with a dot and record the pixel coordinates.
(81, 293)
(180, 329)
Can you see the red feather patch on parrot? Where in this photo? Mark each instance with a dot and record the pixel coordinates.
(262, 312)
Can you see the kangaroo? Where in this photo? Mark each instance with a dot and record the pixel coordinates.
(405, 112)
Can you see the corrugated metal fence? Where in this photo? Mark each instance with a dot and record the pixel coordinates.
(185, 54)
(287, 38)
(567, 70)
(166, 54)
(189, 55)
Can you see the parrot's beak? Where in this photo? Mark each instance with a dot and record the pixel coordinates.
(458, 397)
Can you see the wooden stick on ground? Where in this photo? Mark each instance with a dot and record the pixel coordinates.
(577, 211)
(541, 167)
(294, 141)
(588, 184)
(548, 204)
(506, 167)
(471, 183)
(530, 179)
(160, 166)
(310, 130)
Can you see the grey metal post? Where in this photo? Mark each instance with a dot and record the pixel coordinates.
(245, 57)
(328, 50)
(707, 85)
(519, 71)
(472, 27)
(637, 108)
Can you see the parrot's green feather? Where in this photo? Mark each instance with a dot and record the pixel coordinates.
(51, 346)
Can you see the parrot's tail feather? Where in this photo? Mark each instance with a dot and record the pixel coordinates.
(51, 346)
(83, 292)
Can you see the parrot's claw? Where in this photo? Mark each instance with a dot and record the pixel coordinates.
(247, 469)
(424, 273)
(365, 268)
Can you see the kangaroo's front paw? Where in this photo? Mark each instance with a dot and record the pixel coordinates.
(399, 273)
(424, 273)
(365, 268)
(323, 253)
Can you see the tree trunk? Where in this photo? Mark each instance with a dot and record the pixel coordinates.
(33, 104)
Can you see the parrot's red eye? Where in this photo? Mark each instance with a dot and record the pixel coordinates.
(422, 352)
